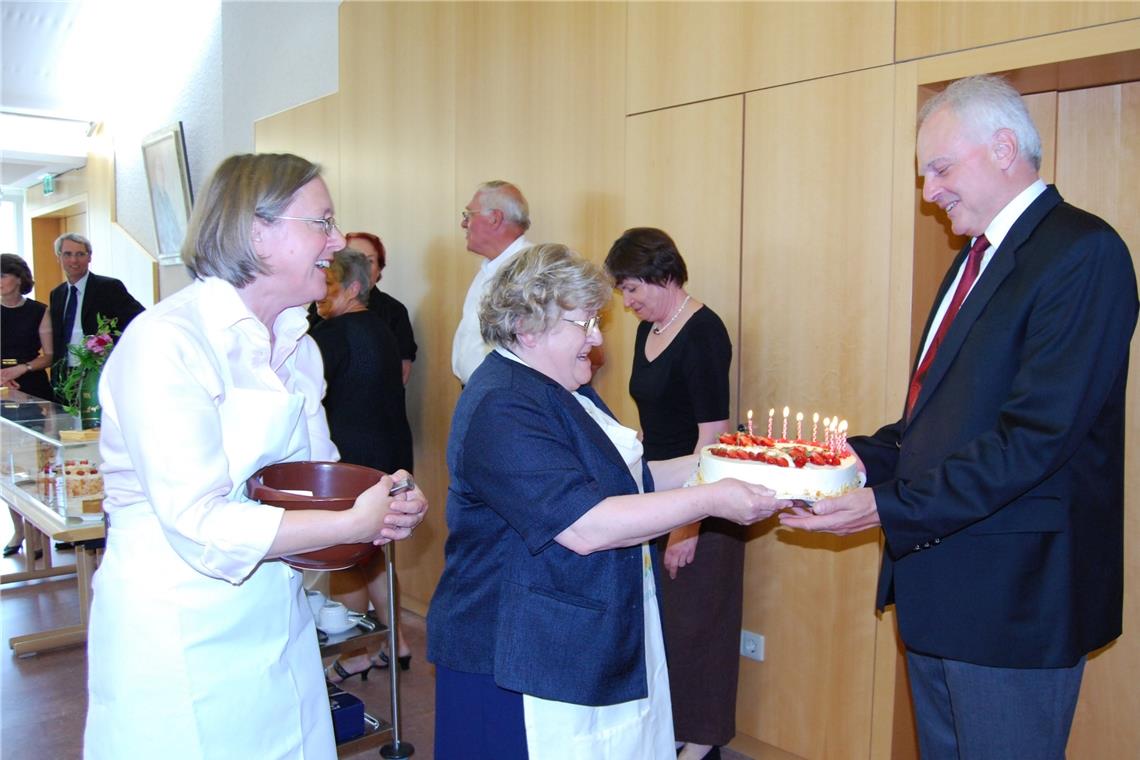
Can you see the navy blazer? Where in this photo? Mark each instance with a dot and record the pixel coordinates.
(1002, 498)
(103, 295)
(526, 462)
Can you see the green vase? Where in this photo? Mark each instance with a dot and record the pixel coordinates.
(90, 412)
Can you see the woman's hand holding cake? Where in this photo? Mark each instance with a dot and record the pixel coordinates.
(742, 503)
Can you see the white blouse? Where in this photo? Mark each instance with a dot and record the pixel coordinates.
(193, 368)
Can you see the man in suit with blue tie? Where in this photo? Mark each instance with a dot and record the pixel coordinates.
(1000, 490)
(77, 303)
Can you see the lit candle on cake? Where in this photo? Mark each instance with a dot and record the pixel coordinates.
(799, 426)
(834, 434)
(749, 422)
(842, 437)
(814, 424)
(826, 423)
(771, 414)
(784, 433)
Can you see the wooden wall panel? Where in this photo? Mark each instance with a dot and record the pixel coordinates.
(48, 273)
(1098, 169)
(398, 125)
(309, 131)
(814, 306)
(683, 174)
(926, 28)
(541, 105)
(689, 51)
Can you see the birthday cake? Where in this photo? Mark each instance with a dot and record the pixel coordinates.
(794, 469)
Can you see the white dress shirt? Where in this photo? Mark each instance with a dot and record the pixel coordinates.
(468, 348)
(995, 233)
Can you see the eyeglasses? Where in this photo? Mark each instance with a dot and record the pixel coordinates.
(467, 213)
(74, 254)
(328, 223)
(587, 325)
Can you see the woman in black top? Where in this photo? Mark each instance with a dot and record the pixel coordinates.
(25, 346)
(392, 312)
(680, 384)
(368, 420)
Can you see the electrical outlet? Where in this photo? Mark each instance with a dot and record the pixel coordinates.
(752, 645)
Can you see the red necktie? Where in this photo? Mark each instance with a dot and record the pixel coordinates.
(973, 266)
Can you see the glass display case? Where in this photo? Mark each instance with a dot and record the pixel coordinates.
(45, 453)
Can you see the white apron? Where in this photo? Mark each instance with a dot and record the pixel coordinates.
(641, 729)
(191, 666)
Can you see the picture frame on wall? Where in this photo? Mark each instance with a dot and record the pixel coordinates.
(168, 180)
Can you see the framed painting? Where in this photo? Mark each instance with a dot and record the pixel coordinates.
(168, 178)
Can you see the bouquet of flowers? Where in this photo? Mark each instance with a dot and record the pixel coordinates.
(79, 388)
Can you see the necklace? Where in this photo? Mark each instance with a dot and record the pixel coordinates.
(664, 327)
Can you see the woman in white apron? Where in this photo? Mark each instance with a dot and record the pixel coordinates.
(199, 645)
(544, 627)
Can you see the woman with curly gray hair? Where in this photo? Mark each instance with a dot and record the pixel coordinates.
(544, 627)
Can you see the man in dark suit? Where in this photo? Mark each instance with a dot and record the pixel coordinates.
(77, 303)
(1000, 489)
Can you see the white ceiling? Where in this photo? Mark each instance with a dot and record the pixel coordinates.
(38, 40)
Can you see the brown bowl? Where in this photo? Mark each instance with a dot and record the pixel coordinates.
(334, 485)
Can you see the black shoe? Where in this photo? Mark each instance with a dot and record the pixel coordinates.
(10, 550)
(64, 546)
(383, 661)
(343, 674)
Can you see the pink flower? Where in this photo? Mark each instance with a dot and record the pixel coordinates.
(97, 344)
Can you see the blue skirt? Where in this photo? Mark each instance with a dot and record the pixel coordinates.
(475, 719)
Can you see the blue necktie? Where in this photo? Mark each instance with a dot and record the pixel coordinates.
(69, 314)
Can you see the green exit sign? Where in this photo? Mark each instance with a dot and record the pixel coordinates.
(49, 184)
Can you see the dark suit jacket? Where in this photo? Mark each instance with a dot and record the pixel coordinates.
(104, 295)
(526, 461)
(1002, 498)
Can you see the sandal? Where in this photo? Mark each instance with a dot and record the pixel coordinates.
(344, 675)
(382, 661)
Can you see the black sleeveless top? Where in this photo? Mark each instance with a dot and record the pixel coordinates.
(685, 385)
(20, 343)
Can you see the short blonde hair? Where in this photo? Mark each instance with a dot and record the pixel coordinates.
(243, 188)
(535, 288)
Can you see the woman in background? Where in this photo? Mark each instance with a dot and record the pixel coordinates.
(391, 312)
(544, 628)
(26, 348)
(680, 383)
(368, 422)
(200, 644)
(25, 331)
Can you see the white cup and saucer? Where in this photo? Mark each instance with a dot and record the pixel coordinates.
(334, 617)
